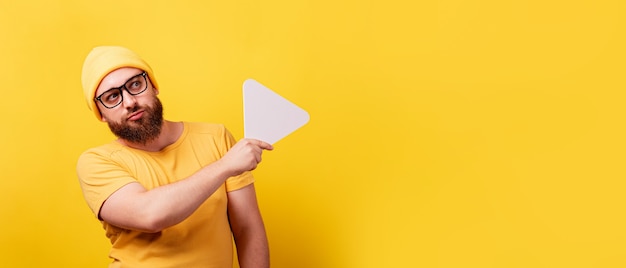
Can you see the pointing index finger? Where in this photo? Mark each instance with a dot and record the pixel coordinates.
(264, 145)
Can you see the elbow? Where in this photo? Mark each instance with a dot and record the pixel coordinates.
(151, 229)
(154, 225)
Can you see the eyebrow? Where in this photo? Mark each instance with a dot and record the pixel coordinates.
(128, 80)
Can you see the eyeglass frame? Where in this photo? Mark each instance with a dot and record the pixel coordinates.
(99, 97)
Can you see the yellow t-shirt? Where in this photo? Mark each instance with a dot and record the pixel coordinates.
(204, 238)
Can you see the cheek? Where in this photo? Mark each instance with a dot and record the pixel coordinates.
(109, 116)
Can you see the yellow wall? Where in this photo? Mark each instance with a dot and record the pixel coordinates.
(443, 133)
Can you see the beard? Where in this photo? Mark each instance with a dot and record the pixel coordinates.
(145, 129)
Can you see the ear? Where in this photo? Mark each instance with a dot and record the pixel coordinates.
(100, 113)
(102, 118)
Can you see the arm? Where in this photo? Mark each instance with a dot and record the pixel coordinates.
(134, 207)
(248, 229)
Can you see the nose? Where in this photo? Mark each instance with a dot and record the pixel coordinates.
(128, 100)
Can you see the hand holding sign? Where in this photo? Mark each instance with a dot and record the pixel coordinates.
(267, 116)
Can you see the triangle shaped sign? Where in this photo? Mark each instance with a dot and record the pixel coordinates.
(267, 116)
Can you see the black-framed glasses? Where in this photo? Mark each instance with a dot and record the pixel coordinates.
(134, 86)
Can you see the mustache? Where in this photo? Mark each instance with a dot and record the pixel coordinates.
(133, 109)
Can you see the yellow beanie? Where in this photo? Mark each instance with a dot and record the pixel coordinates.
(103, 60)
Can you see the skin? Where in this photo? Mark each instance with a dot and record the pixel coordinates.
(134, 207)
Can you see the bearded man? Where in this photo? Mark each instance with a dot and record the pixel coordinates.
(168, 194)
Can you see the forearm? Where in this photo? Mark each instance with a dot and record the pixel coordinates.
(152, 210)
(134, 207)
(187, 195)
(252, 248)
(173, 203)
(248, 228)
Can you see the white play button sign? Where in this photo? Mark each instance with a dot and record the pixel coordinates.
(267, 116)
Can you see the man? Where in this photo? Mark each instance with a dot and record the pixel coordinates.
(169, 194)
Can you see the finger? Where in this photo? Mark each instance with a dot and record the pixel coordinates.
(257, 151)
(264, 145)
(257, 143)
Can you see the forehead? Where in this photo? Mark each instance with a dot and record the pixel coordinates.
(116, 78)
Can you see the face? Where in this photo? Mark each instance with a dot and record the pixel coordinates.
(138, 118)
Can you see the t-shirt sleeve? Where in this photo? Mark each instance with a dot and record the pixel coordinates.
(242, 180)
(99, 177)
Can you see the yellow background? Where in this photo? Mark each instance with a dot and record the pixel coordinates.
(443, 133)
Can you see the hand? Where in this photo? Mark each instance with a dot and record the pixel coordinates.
(245, 155)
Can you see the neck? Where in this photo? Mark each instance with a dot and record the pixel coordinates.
(170, 132)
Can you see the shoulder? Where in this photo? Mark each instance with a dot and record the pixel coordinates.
(220, 136)
(206, 128)
(106, 150)
(110, 153)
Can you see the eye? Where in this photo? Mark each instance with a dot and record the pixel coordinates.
(135, 85)
(112, 97)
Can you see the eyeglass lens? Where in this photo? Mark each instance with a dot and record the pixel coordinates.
(135, 85)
